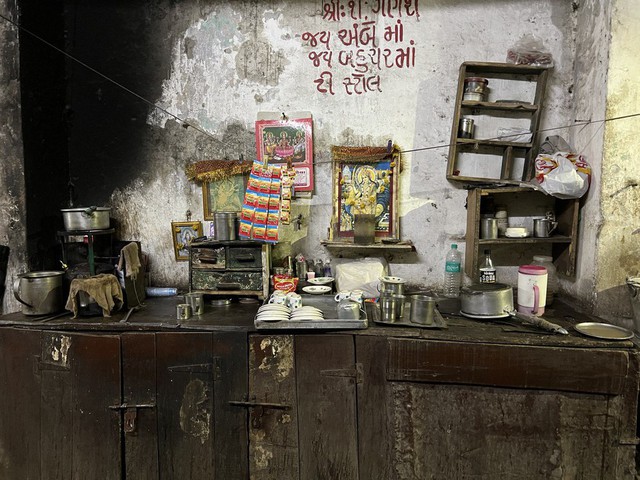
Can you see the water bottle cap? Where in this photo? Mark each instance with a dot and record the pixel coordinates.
(454, 246)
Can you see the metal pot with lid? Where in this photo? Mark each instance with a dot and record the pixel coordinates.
(486, 300)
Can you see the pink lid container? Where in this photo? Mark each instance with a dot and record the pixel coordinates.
(532, 270)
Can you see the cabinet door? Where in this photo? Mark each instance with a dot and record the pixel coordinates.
(56, 421)
(185, 426)
(326, 376)
(303, 414)
(505, 411)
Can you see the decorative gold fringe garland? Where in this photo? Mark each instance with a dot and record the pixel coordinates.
(365, 154)
(215, 170)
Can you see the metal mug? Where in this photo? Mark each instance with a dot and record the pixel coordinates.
(422, 309)
(489, 227)
(196, 301)
(183, 311)
(349, 310)
(543, 227)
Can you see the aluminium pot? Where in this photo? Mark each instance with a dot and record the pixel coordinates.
(486, 300)
(87, 218)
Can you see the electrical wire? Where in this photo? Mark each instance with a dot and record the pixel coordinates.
(363, 157)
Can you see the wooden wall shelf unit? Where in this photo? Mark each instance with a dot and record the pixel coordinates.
(514, 100)
(523, 204)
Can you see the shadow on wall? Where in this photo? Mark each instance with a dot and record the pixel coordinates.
(615, 304)
(4, 261)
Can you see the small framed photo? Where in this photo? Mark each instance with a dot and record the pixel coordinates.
(224, 195)
(183, 234)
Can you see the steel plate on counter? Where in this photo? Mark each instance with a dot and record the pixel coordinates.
(604, 331)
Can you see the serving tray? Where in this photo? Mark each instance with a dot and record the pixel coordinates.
(328, 305)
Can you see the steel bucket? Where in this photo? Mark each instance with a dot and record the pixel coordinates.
(40, 293)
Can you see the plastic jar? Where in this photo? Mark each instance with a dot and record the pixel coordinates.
(475, 88)
(552, 280)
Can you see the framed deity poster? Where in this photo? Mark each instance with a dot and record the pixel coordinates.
(225, 195)
(288, 140)
(183, 234)
(365, 181)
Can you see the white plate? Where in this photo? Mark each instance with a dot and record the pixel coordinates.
(484, 317)
(392, 280)
(320, 280)
(316, 289)
(272, 318)
(274, 308)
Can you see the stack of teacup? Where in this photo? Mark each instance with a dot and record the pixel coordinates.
(291, 299)
(392, 298)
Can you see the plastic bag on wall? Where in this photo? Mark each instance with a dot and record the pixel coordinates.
(530, 50)
(563, 174)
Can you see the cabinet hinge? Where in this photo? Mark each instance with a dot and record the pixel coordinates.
(355, 372)
(214, 368)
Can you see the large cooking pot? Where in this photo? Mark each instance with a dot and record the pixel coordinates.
(88, 218)
(486, 300)
(41, 293)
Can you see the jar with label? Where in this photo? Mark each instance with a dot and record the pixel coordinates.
(546, 261)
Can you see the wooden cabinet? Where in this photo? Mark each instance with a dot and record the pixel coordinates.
(523, 204)
(514, 100)
(230, 268)
(135, 405)
(386, 403)
(381, 407)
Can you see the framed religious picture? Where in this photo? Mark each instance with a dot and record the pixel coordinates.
(288, 140)
(225, 195)
(365, 181)
(183, 234)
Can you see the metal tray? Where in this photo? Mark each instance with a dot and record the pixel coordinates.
(328, 305)
(604, 331)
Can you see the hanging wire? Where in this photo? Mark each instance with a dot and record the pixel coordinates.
(363, 157)
(109, 79)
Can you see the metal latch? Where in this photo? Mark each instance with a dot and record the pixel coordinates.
(131, 414)
(356, 372)
(259, 409)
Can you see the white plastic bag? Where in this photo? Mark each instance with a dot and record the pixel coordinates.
(363, 274)
(563, 174)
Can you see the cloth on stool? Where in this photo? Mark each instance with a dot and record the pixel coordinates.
(129, 256)
(104, 288)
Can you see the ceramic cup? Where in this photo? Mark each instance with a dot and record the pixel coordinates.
(279, 297)
(294, 300)
(355, 295)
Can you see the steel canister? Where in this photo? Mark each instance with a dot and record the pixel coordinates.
(466, 128)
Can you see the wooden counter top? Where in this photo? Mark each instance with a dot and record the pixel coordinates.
(159, 314)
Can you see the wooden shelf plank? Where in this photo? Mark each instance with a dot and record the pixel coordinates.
(403, 246)
(519, 241)
(504, 106)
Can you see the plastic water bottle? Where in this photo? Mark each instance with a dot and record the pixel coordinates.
(452, 272)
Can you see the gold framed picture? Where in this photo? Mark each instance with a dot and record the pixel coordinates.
(224, 195)
(183, 234)
(365, 181)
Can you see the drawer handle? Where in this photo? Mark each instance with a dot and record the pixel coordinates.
(245, 258)
(228, 286)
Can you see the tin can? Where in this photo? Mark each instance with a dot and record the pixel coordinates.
(466, 128)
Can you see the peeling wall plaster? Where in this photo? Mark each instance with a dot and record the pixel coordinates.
(12, 188)
(240, 59)
(618, 248)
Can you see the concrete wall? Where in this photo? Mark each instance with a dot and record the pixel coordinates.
(12, 188)
(618, 248)
(234, 60)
